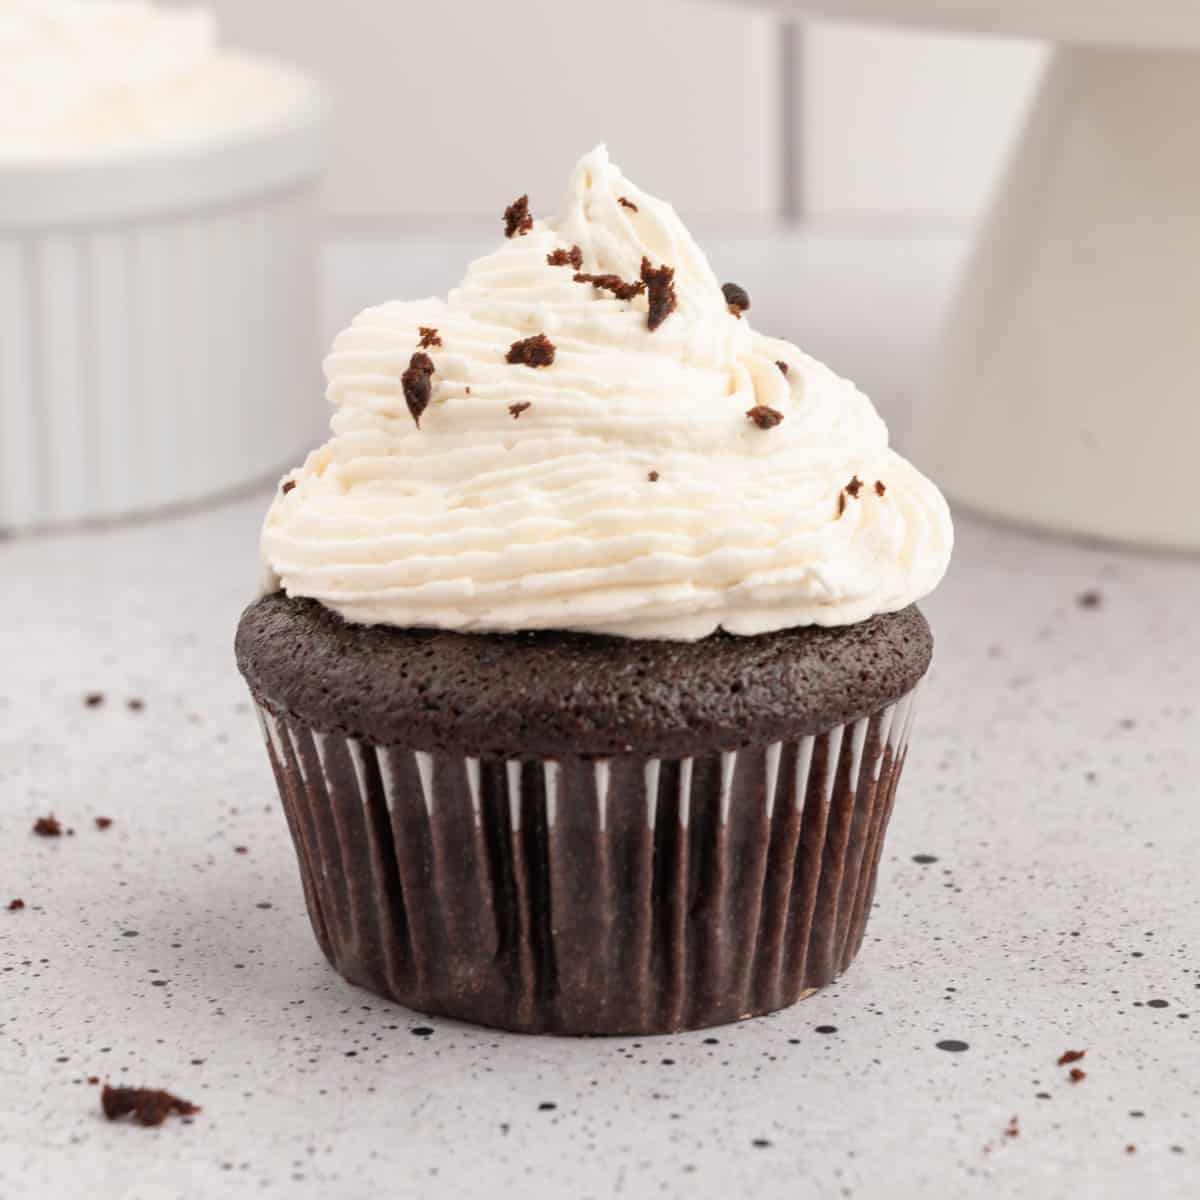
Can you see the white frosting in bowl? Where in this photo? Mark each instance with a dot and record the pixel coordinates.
(80, 78)
(633, 495)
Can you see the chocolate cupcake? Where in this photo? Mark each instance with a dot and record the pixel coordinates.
(587, 658)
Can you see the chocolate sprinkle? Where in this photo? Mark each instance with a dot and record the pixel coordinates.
(612, 283)
(103, 822)
(149, 1106)
(781, 365)
(1070, 1056)
(47, 826)
(429, 337)
(880, 487)
(536, 351)
(518, 409)
(660, 288)
(764, 416)
(517, 218)
(418, 385)
(736, 298)
(653, 477)
(287, 486)
(565, 258)
(16, 905)
(625, 202)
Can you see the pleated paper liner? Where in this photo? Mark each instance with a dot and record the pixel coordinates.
(628, 895)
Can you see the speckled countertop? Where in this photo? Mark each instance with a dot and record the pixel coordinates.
(1038, 894)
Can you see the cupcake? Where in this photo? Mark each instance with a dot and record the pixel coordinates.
(587, 655)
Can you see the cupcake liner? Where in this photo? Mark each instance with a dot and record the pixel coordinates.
(591, 896)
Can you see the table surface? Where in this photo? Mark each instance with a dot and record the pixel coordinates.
(1037, 894)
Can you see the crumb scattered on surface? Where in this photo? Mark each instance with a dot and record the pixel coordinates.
(16, 905)
(94, 699)
(764, 416)
(241, 849)
(1089, 599)
(1070, 1056)
(1130, 1149)
(136, 703)
(620, 288)
(517, 409)
(736, 298)
(536, 351)
(563, 257)
(93, 1080)
(1013, 1128)
(147, 1106)
(1077, 1075)
(418, 385)
(429, 337)
(516, 217)
(660, 290)
(47, 826)
(625, 202)
(103, 822)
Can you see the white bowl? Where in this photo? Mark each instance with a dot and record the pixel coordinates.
(158, 319)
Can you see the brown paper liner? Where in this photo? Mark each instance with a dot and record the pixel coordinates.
(628, 895)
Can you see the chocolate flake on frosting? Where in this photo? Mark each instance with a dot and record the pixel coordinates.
(764, 416)
(653, 477)
(736, 298)
(781, 365)
(149, 1106)
(660, 288)
(625, 202)
(880, 487)
(612, 283)
(854, 487)
(287, 486)
(563, 257)
(536, 351)
(429, 337)
(517, 218)
(418, 385)
(517, 409)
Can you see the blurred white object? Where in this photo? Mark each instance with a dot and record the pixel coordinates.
(158, 304)
(1065, 394)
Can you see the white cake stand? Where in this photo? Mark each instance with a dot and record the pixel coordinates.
(1066, 394)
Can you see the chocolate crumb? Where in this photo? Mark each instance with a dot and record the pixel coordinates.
(764, 416)
(612, 283)
(47, 826)
(287, 486)
(1013, 1129)
(149, 1106)
(536, 351)
(841, 503)
(429, 337)
(1070, 1056)
(94, 699)
(93, 1079)
(660, 288)
(880, 487)
(736, 298)
(653, 477)
(1130, 1149)
(16, 905)
(625, 202)
(781, 365)
(854, 487)
(1076, 1075)
(517, 409)
(565, 258)
(103, 822)
(136, 703)
(241, 849)
(1089, 599)
(517, 218)
(417, 385)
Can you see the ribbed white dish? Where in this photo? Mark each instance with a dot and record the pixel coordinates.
(158, 321)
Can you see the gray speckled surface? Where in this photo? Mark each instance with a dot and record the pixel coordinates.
(1053, 776)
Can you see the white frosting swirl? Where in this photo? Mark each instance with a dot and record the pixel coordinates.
(485, 522)
(79, 77)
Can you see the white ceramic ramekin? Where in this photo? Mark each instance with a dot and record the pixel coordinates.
(158, 320)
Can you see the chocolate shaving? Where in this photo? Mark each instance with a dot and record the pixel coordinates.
(625, 202)
(660, 288)
(653, 477)
(47, 826)
(287, 486)
(764, 416)
(517, 218)
(854, 487)
(149, 1106)
(612, 283)
(536, 351)
(103, 822)
(417, 385)
(517, 409)
(565, 258)
(1077, 1075)
(781, 365)
(736, 298)
(1070, 1056)
(16, 905)
(429, 337)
